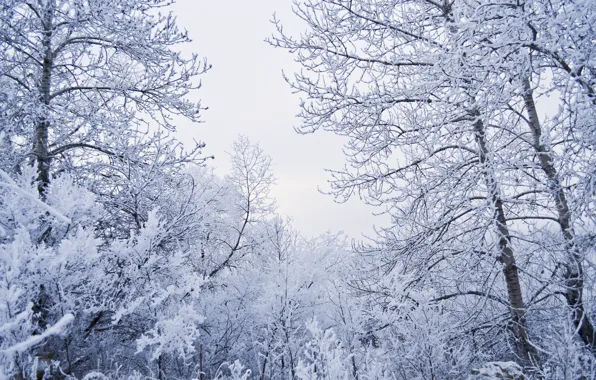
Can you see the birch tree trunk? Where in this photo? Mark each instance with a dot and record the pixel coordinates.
(573, 274)
(506, 255)
(40, 141)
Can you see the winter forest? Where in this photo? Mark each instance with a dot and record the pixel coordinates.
(469, 124)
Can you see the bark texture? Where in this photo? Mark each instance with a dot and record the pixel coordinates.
(506, 255)
(40, 141)
(573, 274)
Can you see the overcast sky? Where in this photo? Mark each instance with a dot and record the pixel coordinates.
(246, 94)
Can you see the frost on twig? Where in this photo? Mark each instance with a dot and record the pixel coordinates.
(56, 329)
(9, 183)
(498, 370)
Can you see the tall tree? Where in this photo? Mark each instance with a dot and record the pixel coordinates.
(89, 91)
(544, 48)
(77, 74)
(428, 95)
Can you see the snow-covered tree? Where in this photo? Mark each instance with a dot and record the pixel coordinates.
(436, 100)
(79, 75)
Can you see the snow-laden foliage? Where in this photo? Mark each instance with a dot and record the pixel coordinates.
(471, 123)
(234, 371)
(206, 279)
(63, 270)
(496, 370)
(32, 271)
(325, 356)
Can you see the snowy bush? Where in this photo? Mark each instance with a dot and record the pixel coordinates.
(498, 371)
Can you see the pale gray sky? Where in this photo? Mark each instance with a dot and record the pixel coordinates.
(246, 94)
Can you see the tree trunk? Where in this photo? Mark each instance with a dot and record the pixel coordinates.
(573, 274)
(40, 140)
(201, 369)
(506, 256)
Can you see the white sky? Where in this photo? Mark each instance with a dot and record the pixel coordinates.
(246, 94)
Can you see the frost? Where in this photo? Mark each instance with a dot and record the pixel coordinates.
(123, 255)
(234, 371)
(56, 329)
(173, 336)
(32, 196)
(498, 370)
(95, 376)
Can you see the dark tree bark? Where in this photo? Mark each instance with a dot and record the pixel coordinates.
(40, 140)
(506, 255)
(573, 273)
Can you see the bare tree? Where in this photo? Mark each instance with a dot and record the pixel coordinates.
(252, 177)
